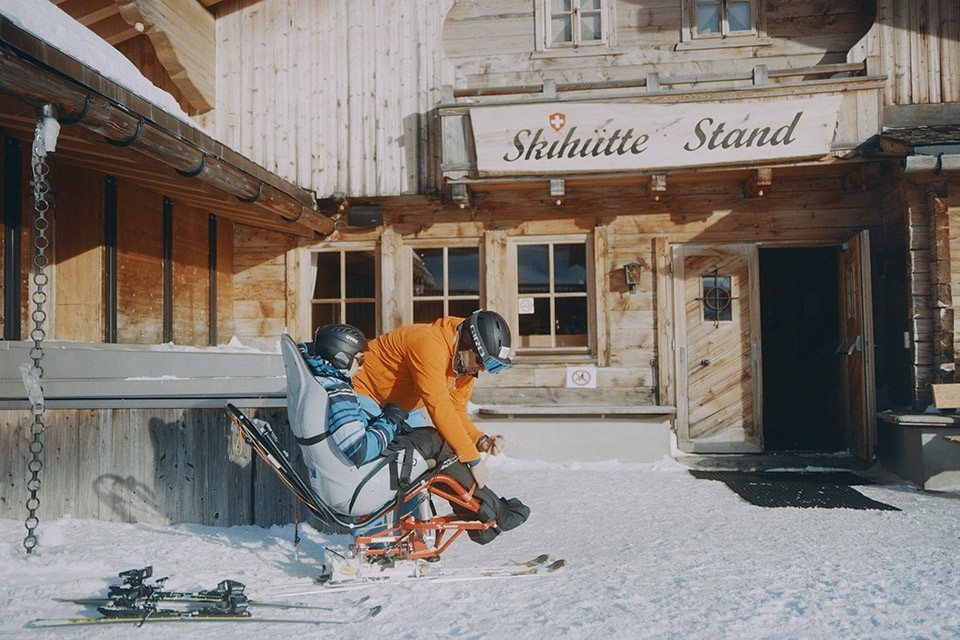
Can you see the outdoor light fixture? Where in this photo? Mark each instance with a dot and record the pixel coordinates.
(631, 272)
(460, 194)
(657, 187)
(557, 190)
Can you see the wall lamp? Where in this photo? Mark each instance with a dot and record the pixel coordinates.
(657, 186)
(631, 273)
(558, 190)
(460, 194)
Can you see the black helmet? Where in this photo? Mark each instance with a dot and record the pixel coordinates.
(339, 344)
(486, 333)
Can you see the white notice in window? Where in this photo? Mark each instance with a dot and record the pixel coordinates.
(525, 306)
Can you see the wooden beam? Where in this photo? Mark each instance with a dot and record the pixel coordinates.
(865, 176)
(88, 12)
(208, 161)
(113, 29)
(82, 148)
(183, 35)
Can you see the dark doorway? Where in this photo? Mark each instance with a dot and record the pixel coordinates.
(800, 337)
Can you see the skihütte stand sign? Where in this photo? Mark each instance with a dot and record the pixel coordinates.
(387, 504)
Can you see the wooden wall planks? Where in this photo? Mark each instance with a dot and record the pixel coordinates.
(334, 96)
(145, 465)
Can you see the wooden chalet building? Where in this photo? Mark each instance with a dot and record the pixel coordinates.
(717, 227)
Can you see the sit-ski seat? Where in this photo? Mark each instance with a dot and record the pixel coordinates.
(393, 524)
(347, 489)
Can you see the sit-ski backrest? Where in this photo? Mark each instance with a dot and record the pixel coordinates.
(333, 477)
(306, 398)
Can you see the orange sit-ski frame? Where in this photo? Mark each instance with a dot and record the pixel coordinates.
(410, 538)
(414, 538)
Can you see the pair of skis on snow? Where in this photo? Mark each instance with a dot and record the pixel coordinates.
(137, 602)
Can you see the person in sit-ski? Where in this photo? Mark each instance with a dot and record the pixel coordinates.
(366, 434)
(429, 370)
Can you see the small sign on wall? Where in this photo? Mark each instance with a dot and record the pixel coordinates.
(582, 377)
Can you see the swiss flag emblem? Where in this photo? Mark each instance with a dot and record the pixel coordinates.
(557, 120)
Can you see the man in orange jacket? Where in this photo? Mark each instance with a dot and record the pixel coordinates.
(433, 367)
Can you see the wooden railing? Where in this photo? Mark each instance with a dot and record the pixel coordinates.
(653, 82)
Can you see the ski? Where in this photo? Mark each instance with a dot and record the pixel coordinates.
(533, 562)
(538, 566)
(200, 598)
(161, 616)
(468, 574)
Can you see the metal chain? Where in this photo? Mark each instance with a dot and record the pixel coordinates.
(41, 187)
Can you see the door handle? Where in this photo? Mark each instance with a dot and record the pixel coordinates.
(856, 346)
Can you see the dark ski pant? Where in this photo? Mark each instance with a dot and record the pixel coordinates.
(509, 514)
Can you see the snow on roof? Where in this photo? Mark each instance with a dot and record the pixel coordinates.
(49, 23)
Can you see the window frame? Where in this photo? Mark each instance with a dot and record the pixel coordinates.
(543, 32)
(445, 245)
(305, 314)
(690, 38)
(704, 303)
(584, 353)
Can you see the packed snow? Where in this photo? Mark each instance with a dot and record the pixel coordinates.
(651, 552)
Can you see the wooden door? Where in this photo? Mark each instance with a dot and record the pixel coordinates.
(856, 349)
(717, 348)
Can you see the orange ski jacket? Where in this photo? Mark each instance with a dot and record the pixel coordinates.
(413, 367)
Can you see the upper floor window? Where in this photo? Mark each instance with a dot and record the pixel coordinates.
(720, 19)
(573, 23)
(552, 295)
(344, 289)
(446, 282)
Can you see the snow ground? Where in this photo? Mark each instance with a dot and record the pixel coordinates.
(651, 553)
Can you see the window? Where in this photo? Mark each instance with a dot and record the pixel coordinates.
(345, 290)
(720, 19)
(573, 23)
(552, 296)
(717, 294)
(446, 282)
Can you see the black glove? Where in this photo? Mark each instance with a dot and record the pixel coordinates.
(396, 415)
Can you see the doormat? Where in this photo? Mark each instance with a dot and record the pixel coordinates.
(806, 490)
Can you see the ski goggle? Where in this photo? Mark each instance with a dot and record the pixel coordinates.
(495, 365)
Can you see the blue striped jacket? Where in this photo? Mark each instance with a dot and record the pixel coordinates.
(360, 436)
